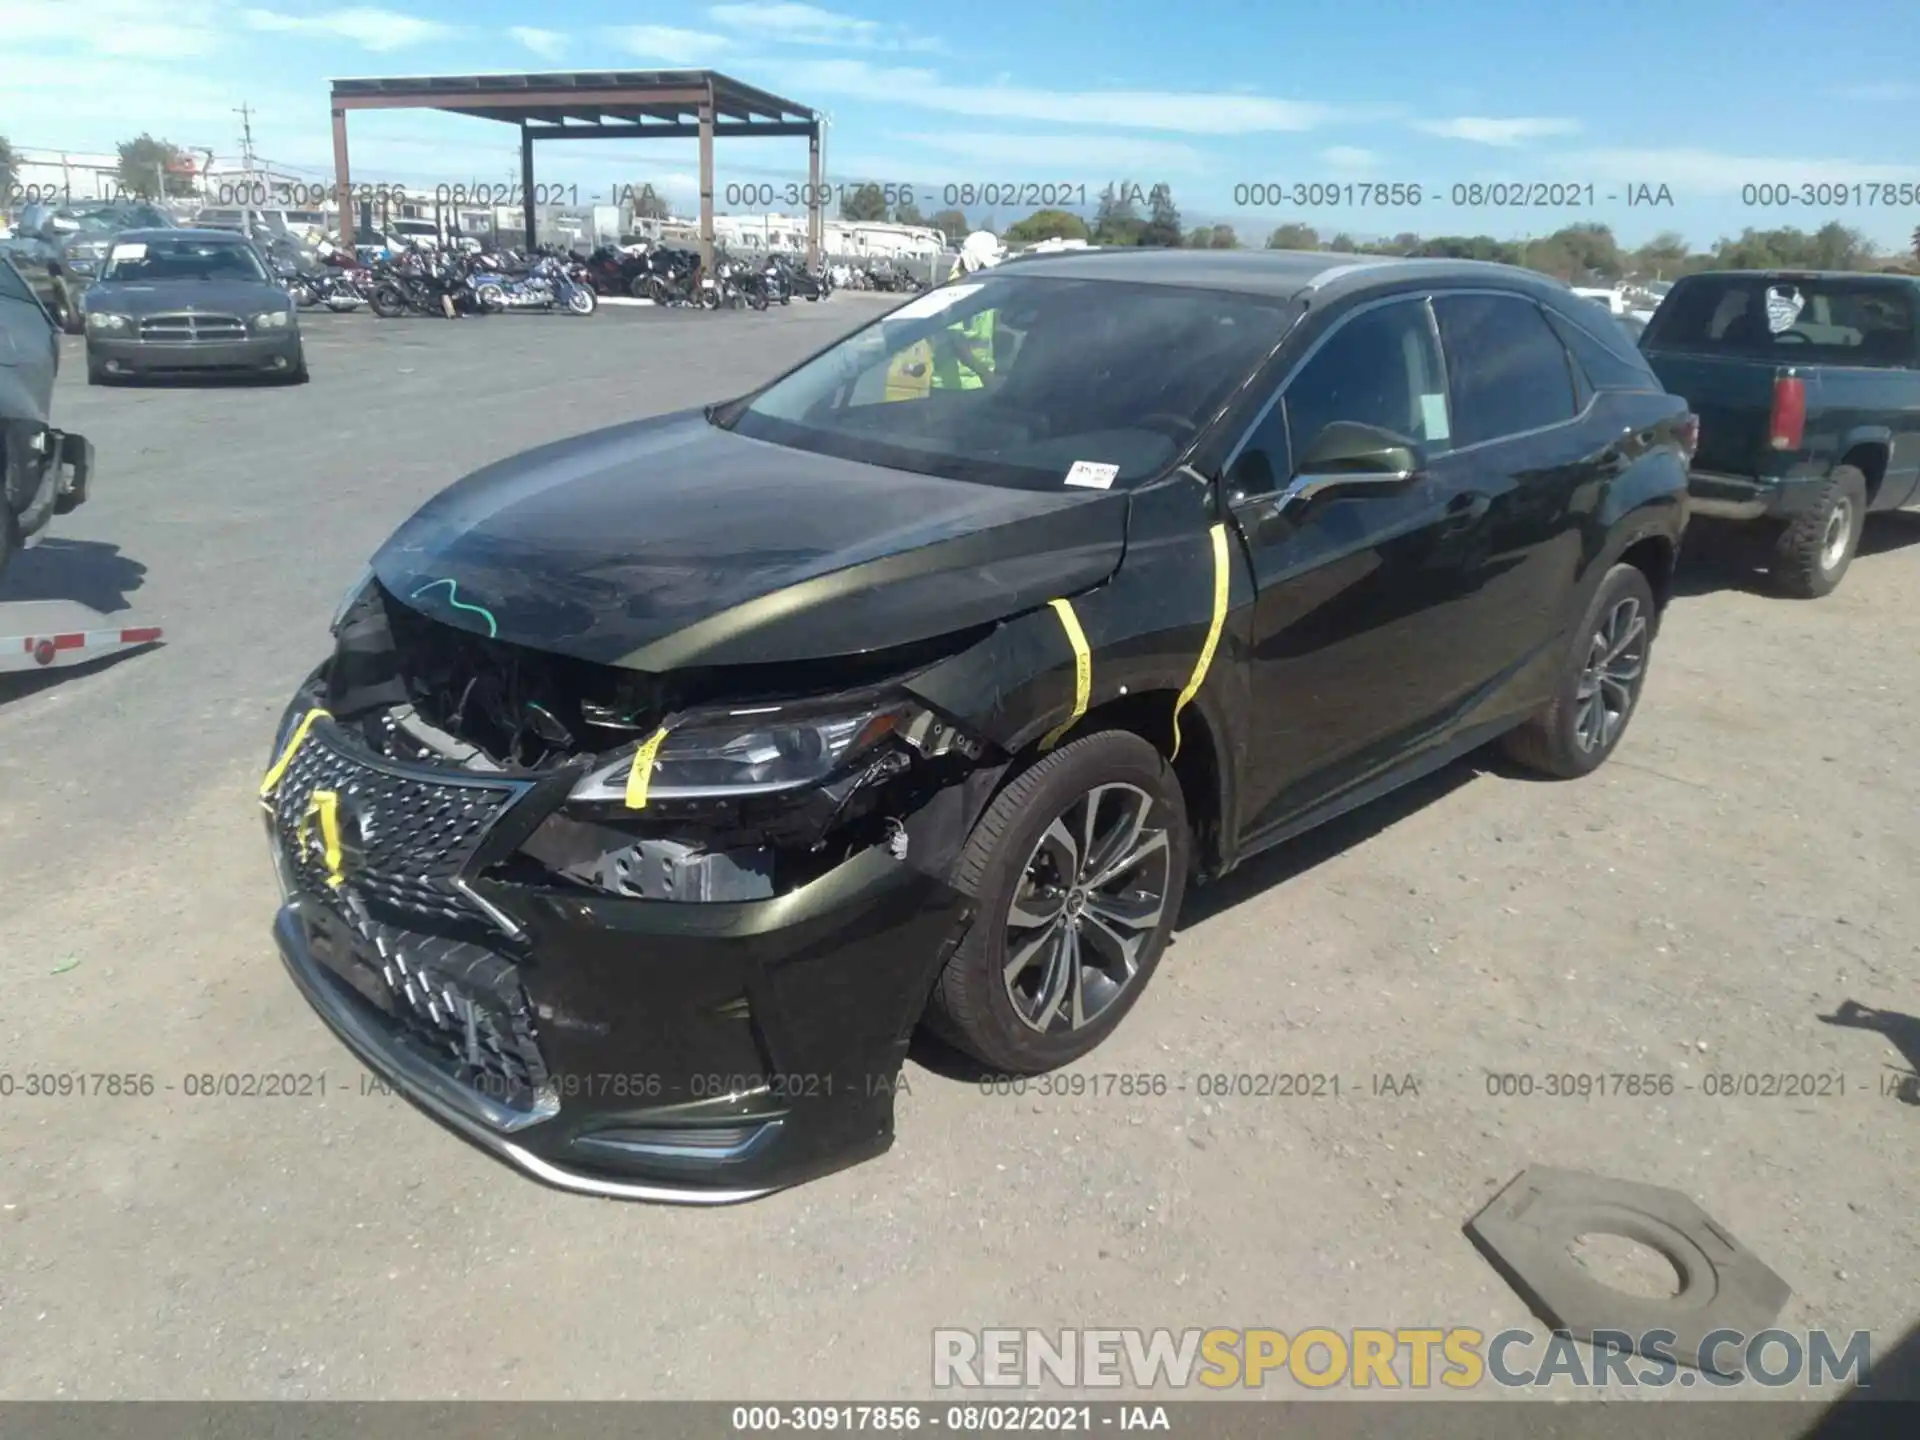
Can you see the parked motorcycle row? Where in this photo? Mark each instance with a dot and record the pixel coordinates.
(455, 282)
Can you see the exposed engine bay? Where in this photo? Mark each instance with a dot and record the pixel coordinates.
(771, 775)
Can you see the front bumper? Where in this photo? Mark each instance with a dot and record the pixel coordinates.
(651, 1050)
(1714, 495)
(273, 353)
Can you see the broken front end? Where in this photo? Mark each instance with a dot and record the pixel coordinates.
(655, 936)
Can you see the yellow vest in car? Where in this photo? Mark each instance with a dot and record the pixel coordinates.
(950, 372)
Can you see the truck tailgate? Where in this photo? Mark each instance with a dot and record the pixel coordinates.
(1733, 398)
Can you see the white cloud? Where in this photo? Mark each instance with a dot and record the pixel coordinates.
(665, 43)
(1696, 173)
(787, 23)
(369, 28)
(1872, 93)
(1078, 158)
(805, 24)
(547, 44)
(1350, 157)
(113, 27)
(1189, 112)
(1484, 130)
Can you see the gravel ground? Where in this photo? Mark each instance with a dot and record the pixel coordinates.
(1742, 868)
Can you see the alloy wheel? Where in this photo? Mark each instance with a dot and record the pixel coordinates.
(1837, 536)
(1088, 901)
(1616, 659)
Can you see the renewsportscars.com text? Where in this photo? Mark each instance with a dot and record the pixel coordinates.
(1456, 1357)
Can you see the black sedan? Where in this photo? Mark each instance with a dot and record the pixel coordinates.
(663, 780)
(190, 302)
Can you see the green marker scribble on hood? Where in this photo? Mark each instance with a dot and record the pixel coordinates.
(453, 599)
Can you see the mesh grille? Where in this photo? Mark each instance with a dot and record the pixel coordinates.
(462, 1006)
(406, 834)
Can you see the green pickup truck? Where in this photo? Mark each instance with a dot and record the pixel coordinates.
(1807, 389)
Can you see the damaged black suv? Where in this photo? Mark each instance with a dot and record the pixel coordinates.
(663, 780)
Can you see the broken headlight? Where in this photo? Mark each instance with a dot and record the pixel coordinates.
(769, 749)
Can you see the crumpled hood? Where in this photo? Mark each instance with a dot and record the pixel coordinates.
(672, 542)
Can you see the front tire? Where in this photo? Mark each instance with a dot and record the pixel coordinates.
(1077, 868)
(1814, 551)
(1599, 687)
(582, 301)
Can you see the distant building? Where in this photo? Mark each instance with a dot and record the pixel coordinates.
(851, 239)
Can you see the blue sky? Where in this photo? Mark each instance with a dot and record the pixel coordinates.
(1703, 96)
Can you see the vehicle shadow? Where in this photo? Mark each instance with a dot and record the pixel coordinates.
(198, 382)
(90, 572)
(1262, 872)
(1719, 557)
(1903, 1031)
(1892, 1379)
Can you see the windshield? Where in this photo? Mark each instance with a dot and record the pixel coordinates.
(1019, 380)
(171, 259)
(120, 217)
(1816, 318)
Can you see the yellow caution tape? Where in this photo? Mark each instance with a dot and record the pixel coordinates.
(1220, 574)
(325, 804)
(1082, 671)
(641, 774)
(279, 767)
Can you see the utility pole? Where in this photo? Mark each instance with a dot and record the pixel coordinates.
(245, 112)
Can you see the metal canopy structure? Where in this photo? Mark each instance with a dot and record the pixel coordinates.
(593, 105)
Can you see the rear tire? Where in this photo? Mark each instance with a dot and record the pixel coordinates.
(1813, 552)
(1037, 884)
(387, 302)
(1599, 686)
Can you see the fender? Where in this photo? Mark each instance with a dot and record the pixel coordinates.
(1871, 437)
(1145, 629)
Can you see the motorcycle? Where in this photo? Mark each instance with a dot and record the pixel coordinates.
(546, 285)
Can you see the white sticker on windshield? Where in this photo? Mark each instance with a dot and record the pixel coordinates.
(1092, 475)
(1433, 418)
(933, 302)
(1784, 305)
(130, 251)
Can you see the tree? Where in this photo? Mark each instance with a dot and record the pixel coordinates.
(908, 213)
(147, 168)
(1343, 243)
(647, 202)
(1299, 237)
(1224, 238)
(1200, 238)
(1163, 219)
(1116, 221)
(950, 223)
(1835, 247)
(864, 202)
(10, 166)
(1662, 256)
(1046, 225)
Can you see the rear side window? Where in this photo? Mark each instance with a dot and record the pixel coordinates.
(1506, 369)
(1831, 319)
(1610, 362)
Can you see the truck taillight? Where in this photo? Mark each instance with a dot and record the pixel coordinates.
(1788, 424)
(1688, 431)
